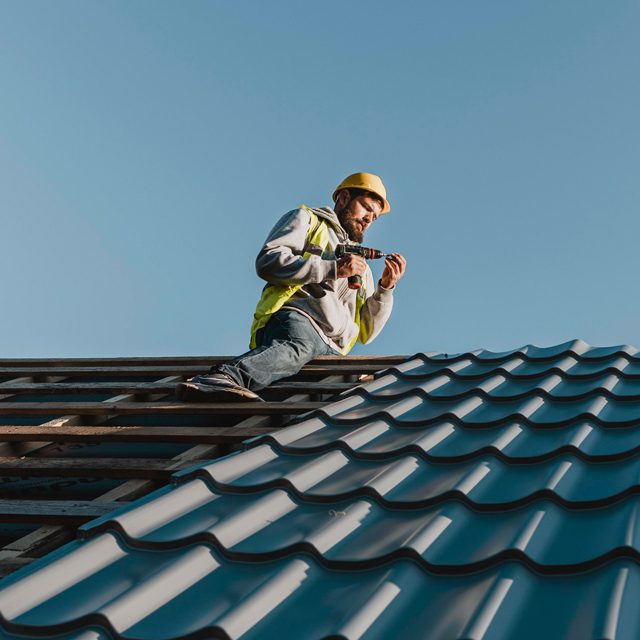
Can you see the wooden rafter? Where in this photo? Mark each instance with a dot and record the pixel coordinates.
(85, 422)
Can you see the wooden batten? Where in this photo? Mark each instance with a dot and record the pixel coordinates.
(42, 406)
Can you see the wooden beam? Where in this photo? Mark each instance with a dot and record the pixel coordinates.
(70, 388)
(24, 448)
(4, 394)
(13, 564)
(164, 408)
(6, 386)
(13, 449)
(325, 369)
(200, 361)
(125, 468)
(54, 511)
(100, 433)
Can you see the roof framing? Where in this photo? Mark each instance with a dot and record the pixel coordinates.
(143, 389)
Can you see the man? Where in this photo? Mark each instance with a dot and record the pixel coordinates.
(307, 308)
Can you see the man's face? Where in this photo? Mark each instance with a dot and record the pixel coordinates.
(357, 214)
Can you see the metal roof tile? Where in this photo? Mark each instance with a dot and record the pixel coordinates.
(499, 386)
(453, 496)
(408, 480)
(516, 367)
(447, 441)
(364, 532)
(291, 598)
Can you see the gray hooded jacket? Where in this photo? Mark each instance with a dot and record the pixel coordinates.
(325, 300)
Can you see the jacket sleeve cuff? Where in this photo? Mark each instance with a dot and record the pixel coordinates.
(382, 294)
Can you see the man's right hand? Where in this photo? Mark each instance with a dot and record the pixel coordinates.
(351, 265)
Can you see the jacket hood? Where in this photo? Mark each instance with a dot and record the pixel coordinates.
(330, 215)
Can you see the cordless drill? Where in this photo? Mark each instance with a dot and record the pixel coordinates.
(355, 282)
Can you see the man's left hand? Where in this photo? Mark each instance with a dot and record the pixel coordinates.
(394, 268)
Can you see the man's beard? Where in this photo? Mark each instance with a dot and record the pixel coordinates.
(353, 228)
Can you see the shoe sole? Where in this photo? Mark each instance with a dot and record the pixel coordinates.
(189, 392)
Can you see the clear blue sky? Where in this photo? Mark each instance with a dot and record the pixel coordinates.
(147, 147)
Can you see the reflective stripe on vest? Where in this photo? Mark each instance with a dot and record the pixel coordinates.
(274, 296)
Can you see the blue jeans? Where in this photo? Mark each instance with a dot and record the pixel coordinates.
(285, 344)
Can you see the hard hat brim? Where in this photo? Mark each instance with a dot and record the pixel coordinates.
(386, 207)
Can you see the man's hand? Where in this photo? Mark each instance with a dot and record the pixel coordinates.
(393, 270)
(351, 265)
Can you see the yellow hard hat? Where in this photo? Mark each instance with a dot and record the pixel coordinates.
(368, 182)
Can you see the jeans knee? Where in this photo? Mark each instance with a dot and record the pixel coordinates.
(301, 349)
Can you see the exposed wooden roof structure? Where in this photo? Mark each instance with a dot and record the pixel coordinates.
(80, 437)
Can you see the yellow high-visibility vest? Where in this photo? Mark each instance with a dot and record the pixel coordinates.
(275, 296)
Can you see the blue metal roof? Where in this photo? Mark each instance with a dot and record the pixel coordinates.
(481, 495)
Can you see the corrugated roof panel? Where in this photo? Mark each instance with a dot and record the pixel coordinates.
(478, 495)
(499, 386)
(447, 441)
(365, 533)
(195, 591)
(410, 481)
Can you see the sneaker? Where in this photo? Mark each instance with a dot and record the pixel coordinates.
(214, 387)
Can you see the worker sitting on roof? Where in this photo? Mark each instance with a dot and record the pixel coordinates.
(308, 307)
